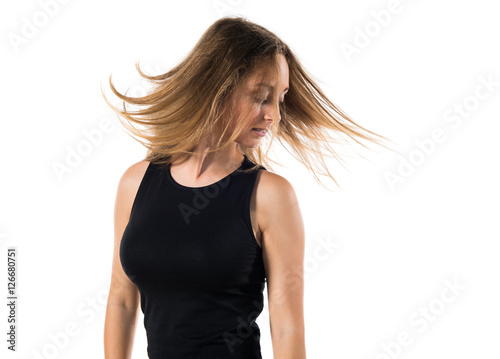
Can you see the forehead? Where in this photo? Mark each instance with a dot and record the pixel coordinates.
(281, 82)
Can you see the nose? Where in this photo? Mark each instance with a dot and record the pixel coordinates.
(272, 113)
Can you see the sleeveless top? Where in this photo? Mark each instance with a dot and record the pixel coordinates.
(193, 256)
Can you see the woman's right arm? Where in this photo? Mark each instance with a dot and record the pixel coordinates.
(123, 300)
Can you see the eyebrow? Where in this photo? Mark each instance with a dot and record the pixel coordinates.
(269, 86)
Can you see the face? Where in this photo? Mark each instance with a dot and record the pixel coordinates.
(262, 105)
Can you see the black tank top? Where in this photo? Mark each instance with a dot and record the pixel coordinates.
(193, 256)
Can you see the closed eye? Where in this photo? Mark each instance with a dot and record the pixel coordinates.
(266, 101)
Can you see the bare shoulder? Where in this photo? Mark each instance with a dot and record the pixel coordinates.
(272, 186)
(274, 195)
(129, 184)
(134, 173)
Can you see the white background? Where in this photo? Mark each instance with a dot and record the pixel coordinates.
(395, 246)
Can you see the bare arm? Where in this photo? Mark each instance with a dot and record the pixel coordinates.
(283, 253)
(123, 301)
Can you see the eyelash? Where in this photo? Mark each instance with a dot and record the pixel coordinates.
(265, 102)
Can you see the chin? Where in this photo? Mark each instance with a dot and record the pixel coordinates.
(249, 143)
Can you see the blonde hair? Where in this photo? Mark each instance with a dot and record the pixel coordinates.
(194, 102)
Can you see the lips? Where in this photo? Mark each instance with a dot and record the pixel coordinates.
(259, 133)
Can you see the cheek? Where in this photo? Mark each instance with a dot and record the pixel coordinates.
(247, 113)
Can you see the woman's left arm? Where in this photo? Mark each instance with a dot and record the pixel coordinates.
(283, 241)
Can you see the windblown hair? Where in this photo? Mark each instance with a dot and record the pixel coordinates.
(193, 102)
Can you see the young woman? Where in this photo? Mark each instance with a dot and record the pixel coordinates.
(200, 224)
